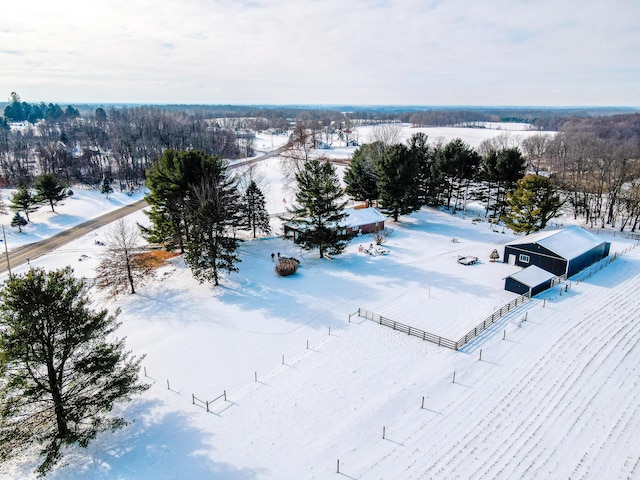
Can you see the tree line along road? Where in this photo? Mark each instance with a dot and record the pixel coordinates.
(32, 251)
(22, 254)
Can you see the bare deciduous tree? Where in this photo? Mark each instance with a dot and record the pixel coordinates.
(121, 267)
(535, 149)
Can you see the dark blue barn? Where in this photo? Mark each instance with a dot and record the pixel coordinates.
(562, 252)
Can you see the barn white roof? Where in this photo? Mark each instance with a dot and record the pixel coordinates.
(568, 242)
(532, 276)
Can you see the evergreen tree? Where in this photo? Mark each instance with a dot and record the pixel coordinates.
(214, 216)
(170, 181)
(18, 221)
(398, 181)
(360, 176)
(430, 178)
(319, 210)
(532, 204)
(61, 375)
(23, 201)
(459, 163)
(49, 189)
(105, 186)
(254, 212)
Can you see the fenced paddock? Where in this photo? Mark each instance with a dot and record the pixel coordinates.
(491, 319)
(437, 339)
(401, 327)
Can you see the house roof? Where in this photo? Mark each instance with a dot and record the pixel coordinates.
(568, 242)
(362, 216)
(356, 217)
(532, 276)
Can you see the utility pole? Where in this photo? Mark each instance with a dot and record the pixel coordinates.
(6, 250)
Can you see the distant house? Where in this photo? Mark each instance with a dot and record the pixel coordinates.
(566, 251)
(531, 280)
(358, 220)
(364, 220)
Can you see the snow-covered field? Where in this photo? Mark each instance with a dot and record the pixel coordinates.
(308, 390)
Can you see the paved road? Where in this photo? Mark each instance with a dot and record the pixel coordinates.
(21, 254)
(32, 251)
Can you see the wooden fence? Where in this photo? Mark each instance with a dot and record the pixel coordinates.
(491, 319)
(442, 341)
(429, 337)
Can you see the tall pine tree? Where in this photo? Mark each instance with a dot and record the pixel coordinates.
(23, 201)
(532, 204)
(62, 369)
(319, 210)
(214, 214)
(49, 189)
(254, 212)
(360, 176)
(170, 182)
(398, 181)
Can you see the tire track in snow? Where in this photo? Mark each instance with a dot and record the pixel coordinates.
(520, 393)
(547, 414)
(579, 394)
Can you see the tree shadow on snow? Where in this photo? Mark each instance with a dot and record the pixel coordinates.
(160, 446)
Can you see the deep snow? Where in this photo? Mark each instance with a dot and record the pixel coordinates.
(306, 387)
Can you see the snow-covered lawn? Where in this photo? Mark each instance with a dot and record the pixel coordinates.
(307, 388)
(558, 398)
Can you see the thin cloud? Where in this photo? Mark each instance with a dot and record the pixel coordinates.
(334, 51)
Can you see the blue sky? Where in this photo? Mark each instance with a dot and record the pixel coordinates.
(441, 52)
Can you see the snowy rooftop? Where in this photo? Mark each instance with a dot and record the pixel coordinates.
(569, 242)
(532, 276)
(363, 216)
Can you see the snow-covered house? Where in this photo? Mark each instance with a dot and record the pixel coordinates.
(364, 220)
(565, 251)
(358, 220)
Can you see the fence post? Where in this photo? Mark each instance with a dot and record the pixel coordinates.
(225, 395)
(255, 376)
(384, 431)
(504, 335)
(207, 404)
(454, 377)
(193, 399)
(145, 371)
(480, 359)
(168, 387)
(422, 406)
(338, 469)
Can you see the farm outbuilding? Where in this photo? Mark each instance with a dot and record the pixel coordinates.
(532, 280)
(565, 251)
